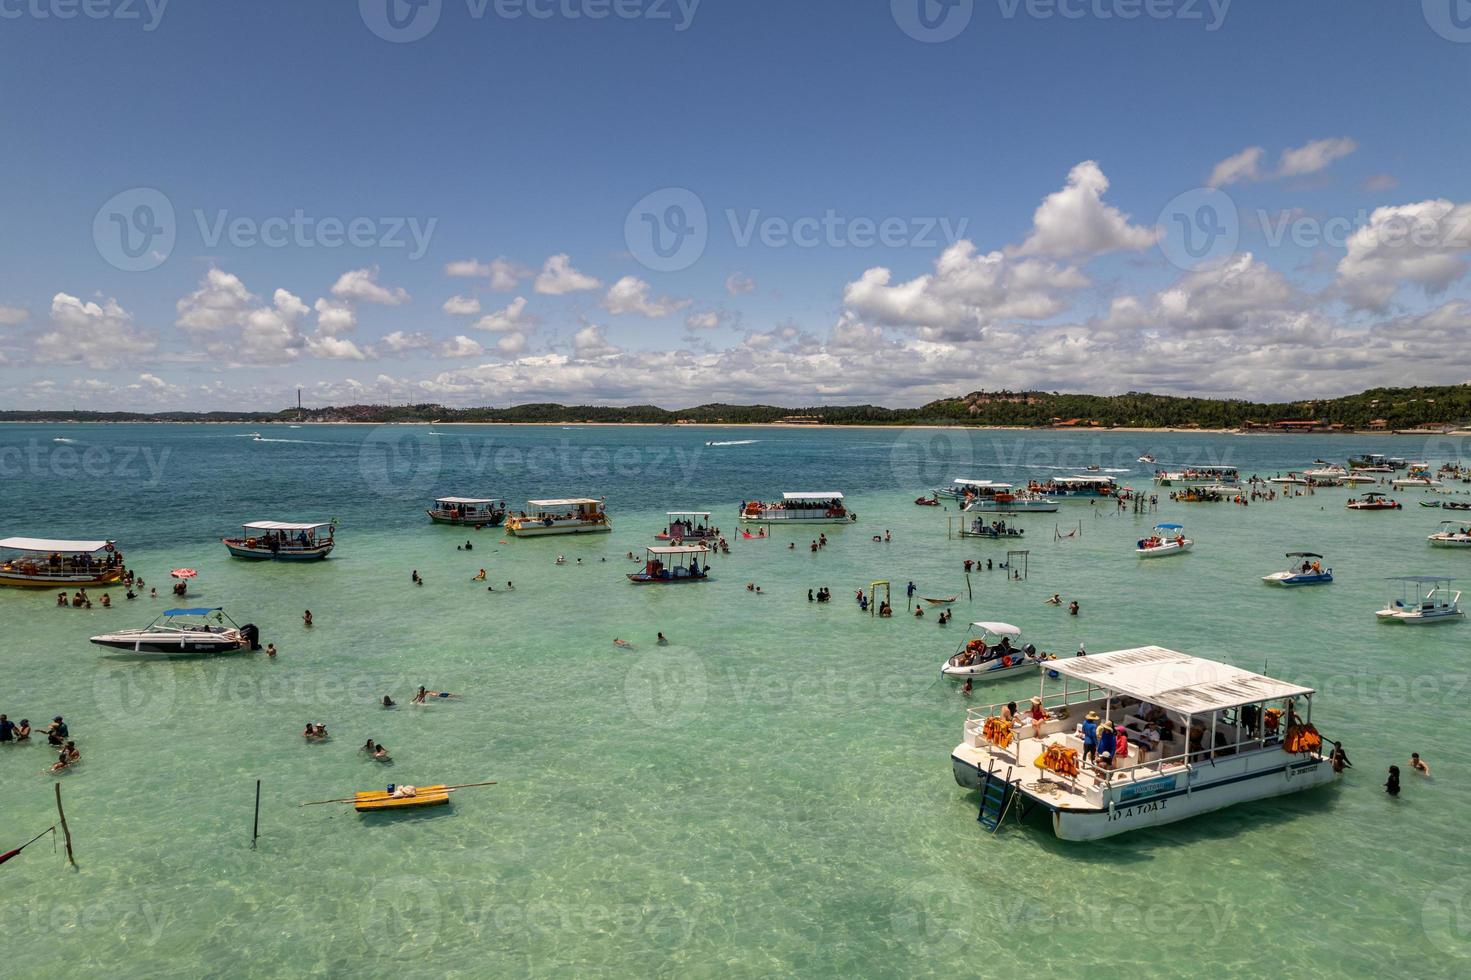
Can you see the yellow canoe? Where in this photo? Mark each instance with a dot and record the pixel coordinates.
(381, 800)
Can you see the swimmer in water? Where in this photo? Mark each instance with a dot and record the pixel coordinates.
(388, 702)
(306, 618)
(480, 577)
(1056, 600)
(664, 642)
(270, 649)
(622, 643)
(1418, 764)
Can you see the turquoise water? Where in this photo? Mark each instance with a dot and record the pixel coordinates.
(770, 793)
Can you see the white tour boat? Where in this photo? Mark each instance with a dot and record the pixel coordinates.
(1076, 486)
(991, 651)
(825, 507)
(688, 525)
(576, 515)
(185, 632)
(1307, 569)
(278, 541)
(1224, 736)
(673, 563)
(1002, 498)
(1425, 599)
(1358, 478)
(468, 511)
(1167, 539)
(1197, 476)
(1330, 473)
(1451, 535)
(44, 563)
(1290, 480)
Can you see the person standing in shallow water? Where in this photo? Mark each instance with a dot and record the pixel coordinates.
(1391, 786)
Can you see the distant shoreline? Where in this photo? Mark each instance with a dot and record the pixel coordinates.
(937, 426)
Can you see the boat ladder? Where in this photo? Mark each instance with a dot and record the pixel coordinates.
(996, 795)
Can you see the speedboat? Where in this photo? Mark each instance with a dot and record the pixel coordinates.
(1307, 569)
(1437, 604)
(1373, 501)
(1167, 539)
(1290, 480)
(1327, 473)
(1357, 478)
(1451, 535)
(1146, 458)
(991, 651)
(185, 632)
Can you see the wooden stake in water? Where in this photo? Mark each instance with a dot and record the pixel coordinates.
(255, 827)
(65, 830)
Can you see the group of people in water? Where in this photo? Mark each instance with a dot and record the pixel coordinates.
(58, 736)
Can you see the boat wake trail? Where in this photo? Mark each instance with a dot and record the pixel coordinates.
(63, 439)
(735, 442)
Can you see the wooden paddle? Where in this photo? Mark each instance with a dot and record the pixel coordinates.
(354, 799)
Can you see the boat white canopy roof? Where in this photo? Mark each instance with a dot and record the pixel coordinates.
(687, 549)
(1000, 629)
(825, 495)
(49, 545)
(1096, 478)
(1175, 681)
(687, 513)
(279, 526)
(963, 482)
(570, 502)
(466, 500)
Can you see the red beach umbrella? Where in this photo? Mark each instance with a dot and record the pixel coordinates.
(184, 573)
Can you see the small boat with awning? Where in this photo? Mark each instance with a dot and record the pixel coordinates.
(282, 541)
(42, 563)
(1452, 534)
(468, 511)
(574, 515)
(668, 564)
(1373, 501)
(184, 632)
(688, 525)
(1166, 539)
(1425, 599)
(1307, 569)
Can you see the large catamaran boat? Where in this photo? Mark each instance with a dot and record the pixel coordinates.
(467, 511)
(281, 541)
(1076, 486)
(1001, 498)
(573, 515)
(824, 507)
(1224, 736)
(185, 632)
(43, 563)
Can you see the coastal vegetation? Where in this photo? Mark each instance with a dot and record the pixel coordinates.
(1377, 408)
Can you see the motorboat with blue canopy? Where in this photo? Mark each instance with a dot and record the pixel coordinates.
(193, 631)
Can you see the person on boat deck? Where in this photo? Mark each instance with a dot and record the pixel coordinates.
(1008, 712)
(1104, 752)
(1090, 735)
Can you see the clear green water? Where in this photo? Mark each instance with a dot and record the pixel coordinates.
(769, 794)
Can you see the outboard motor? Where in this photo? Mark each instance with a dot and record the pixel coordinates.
(252, 634)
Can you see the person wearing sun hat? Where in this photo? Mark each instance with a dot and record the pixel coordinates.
(1090, 736)
(1037, 713)
(1106, 743)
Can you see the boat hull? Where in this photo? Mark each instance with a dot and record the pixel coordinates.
(1164, 550)
(1436, 541)
(379, 800)
(1182, 798)
(991, 671)
(239, 549)
(1411, 618)
(1293, 579)
(492, 520)
(773, 519)
(170, 648)
(642, 578)
(531, 530)
(1014, 507)
(19, 579)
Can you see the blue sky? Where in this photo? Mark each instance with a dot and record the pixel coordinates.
(1030, 175)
